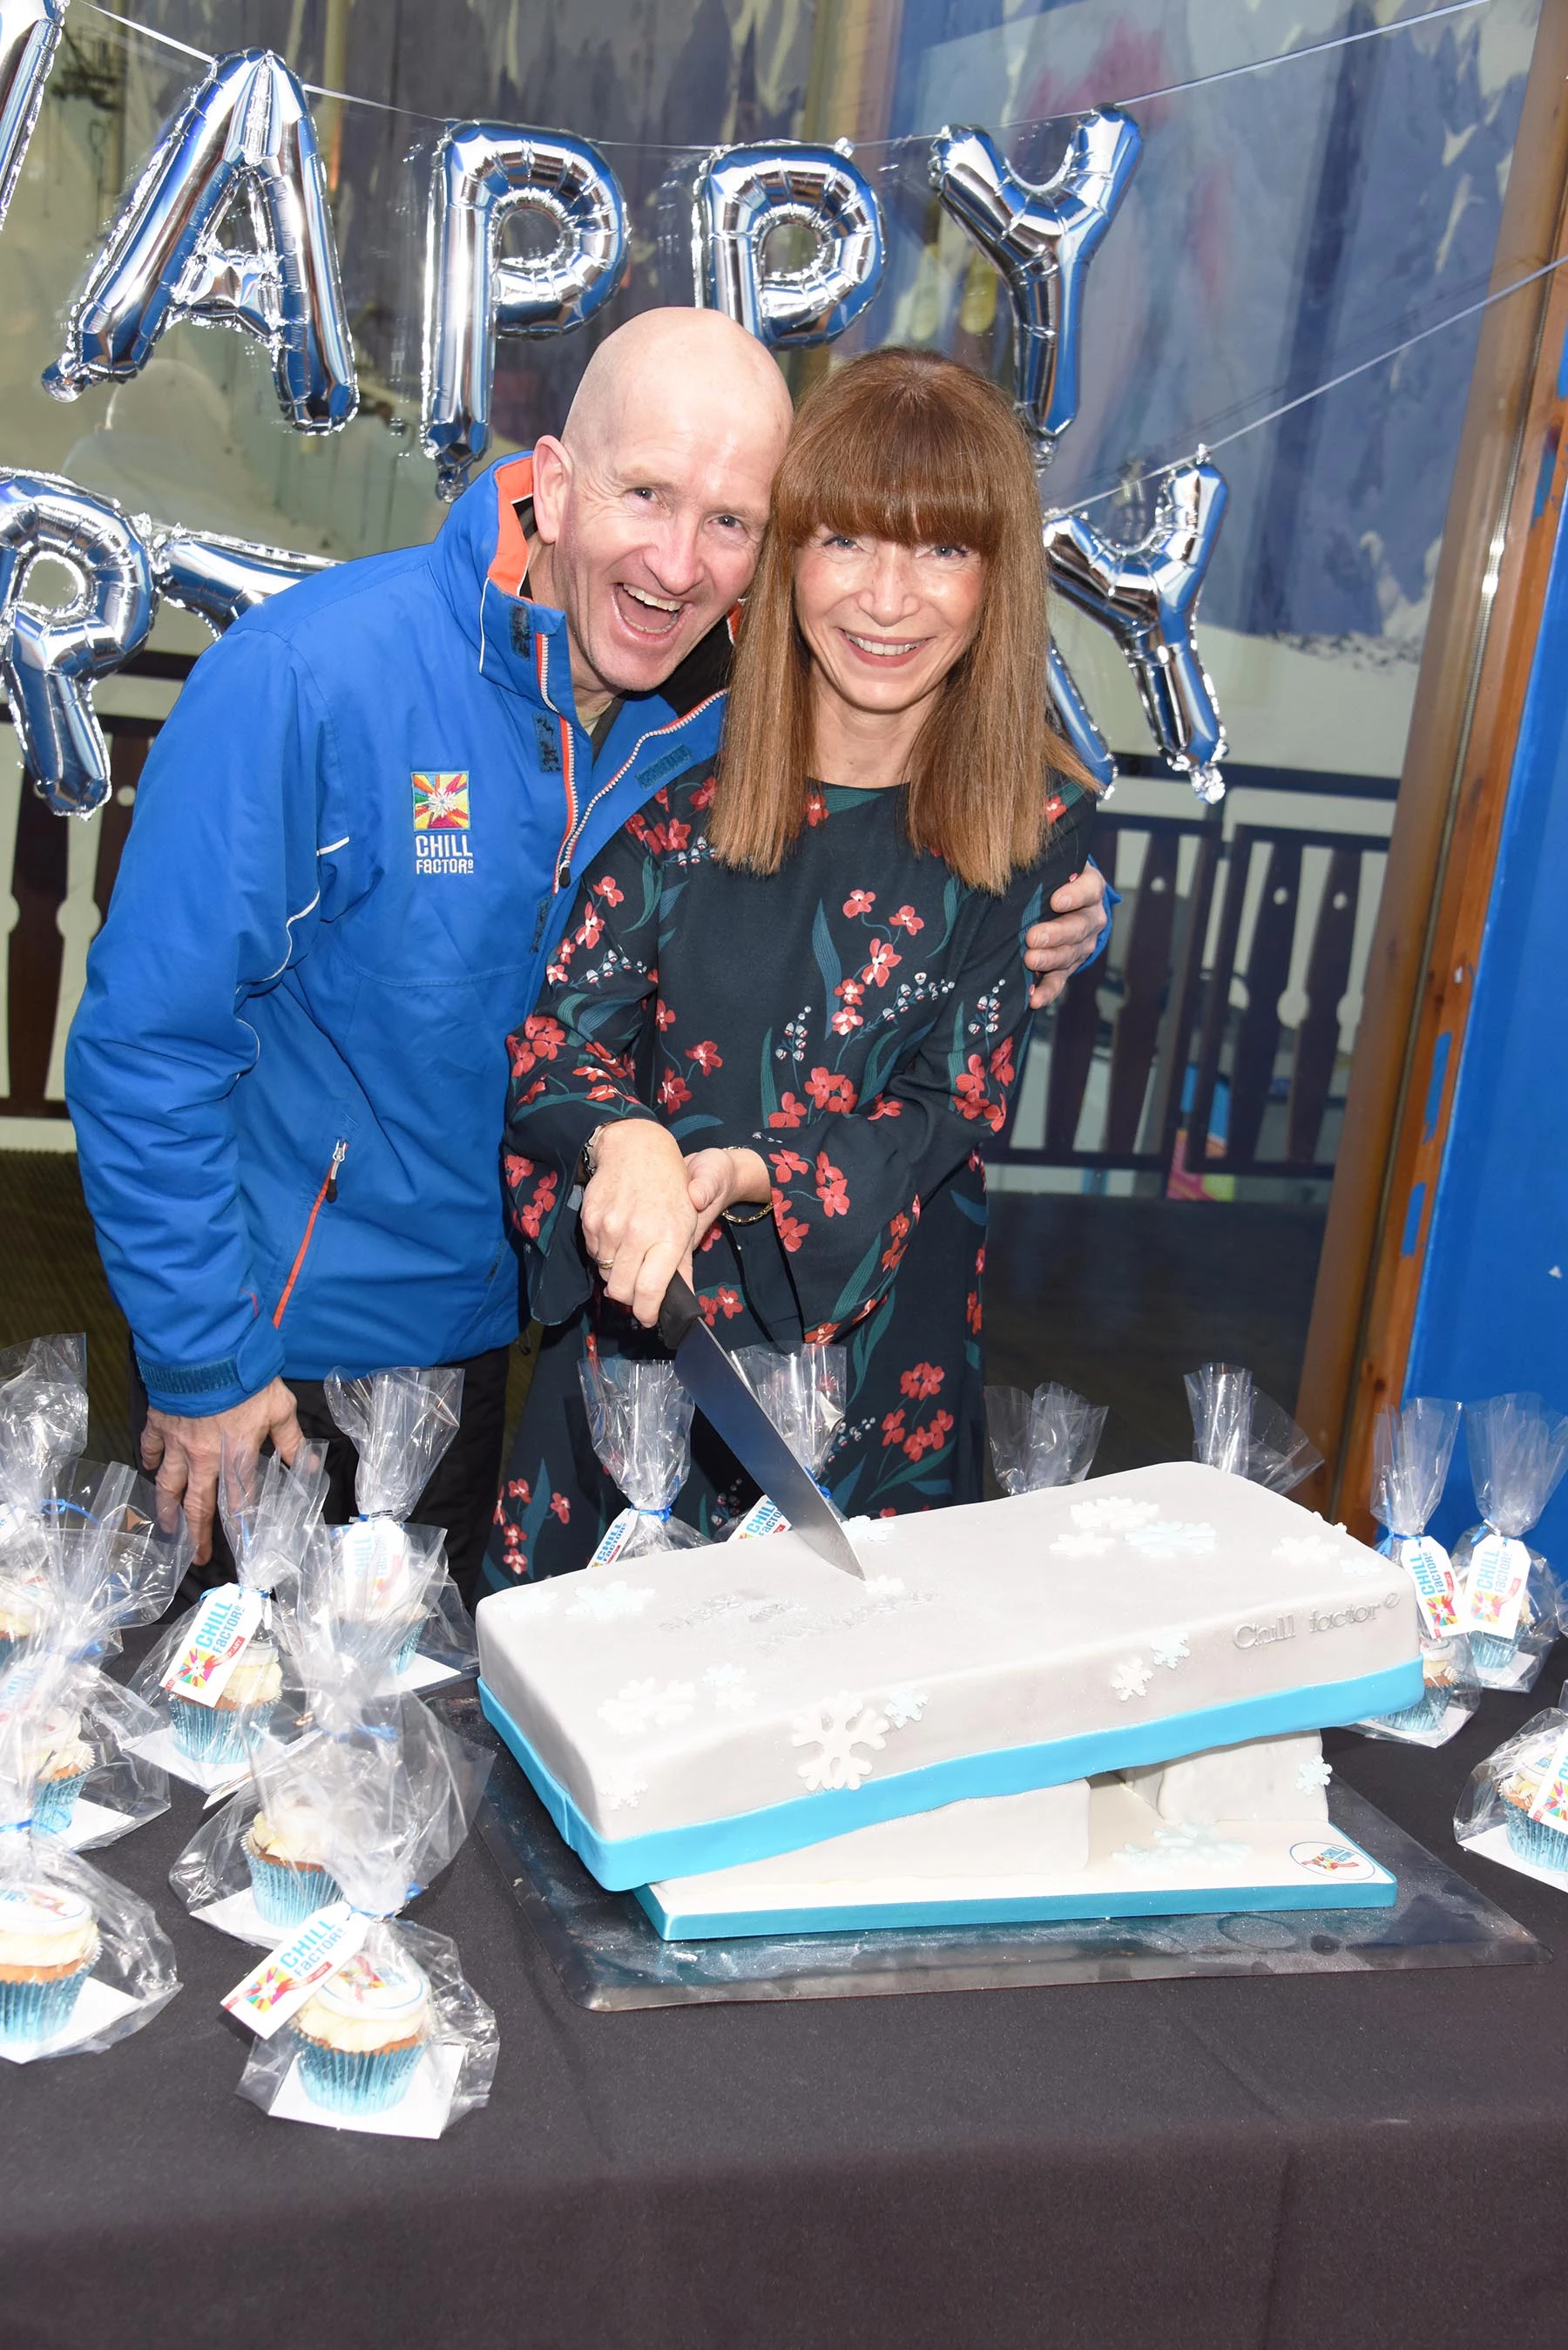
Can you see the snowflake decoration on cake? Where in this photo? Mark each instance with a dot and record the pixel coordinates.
(620, 1790)
(609, 1602)
(1313, 1774)
(836, 1729)
(872, 1530)
(1171, 1649)
(904, 1706)
(1178, 1846)
(1113, 1516)
(885, 1586)
(1131, 1679)
(732, 1693)
(643, 1705)
(1171, 1538)
(1081, 1545)
(1310, 1550)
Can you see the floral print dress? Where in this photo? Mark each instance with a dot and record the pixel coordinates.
(857, 1018)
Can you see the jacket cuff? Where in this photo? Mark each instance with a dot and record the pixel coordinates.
(197, 1390)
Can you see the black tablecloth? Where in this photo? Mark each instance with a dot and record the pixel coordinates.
(1333, 2162)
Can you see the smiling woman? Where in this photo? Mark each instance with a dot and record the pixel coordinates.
(784, 1021)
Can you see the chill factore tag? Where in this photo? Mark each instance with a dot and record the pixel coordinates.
(288, 1976)
(1551, 1799)
(1427, 1564)
(618, 1533)
(225, 1622)
(764, 1517)
(1494, 1586)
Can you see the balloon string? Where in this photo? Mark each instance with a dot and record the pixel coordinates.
(1347, 375)
(865, 147)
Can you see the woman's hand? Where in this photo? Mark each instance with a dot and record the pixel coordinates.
(717, 1180)
(638, 1223)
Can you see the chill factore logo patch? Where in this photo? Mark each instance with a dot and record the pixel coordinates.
(443, 842)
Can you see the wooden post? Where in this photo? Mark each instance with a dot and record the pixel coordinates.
(1486, 612)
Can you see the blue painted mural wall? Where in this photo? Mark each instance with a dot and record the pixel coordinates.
(1493, 1309)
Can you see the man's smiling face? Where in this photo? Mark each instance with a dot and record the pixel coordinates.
(650, 508)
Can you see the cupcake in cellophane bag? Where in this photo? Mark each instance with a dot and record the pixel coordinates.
(43, 1426)
(362, 2020)
(1238, 1428)
(1043, 1440)
(1411, 1452)
(83, 1963)
(802, 1389)
(217, 1681)
(389, 1571)
(1514, 1808)
(1510, 1603)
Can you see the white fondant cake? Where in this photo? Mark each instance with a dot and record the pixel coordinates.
(712, 1706)
(1270, 1779)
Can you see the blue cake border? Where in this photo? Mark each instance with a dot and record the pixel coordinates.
(622, 1864)
(688, 1925)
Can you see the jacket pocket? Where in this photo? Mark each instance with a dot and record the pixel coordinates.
(324, 1199)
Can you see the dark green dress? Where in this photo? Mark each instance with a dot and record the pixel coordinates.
(859, 1018)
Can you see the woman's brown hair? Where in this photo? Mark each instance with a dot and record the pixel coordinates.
(908, 446)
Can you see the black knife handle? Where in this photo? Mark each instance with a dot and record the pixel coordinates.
(679, 1313)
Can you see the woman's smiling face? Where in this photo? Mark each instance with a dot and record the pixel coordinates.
(886, 622)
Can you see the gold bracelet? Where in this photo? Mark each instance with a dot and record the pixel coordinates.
(728, 1215)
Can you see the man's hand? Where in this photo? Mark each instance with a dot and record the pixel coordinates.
(717, 1180)
(1056, 949)
(187, 1454)
(638, 1223)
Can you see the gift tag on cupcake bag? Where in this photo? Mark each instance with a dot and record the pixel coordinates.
(1550, 1802)
(279, 1986)
(1494, 1586)
(1427, 1564)
(225, 1622)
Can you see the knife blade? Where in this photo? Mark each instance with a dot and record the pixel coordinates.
(722, 1396)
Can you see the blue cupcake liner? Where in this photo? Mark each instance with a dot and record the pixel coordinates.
(1426, 1714)
(1492, 1654)
(216, 1733)
(409, 1647)
(365, 2081)
(1537, 1841)
(53, 1800)
(33, 2011)
(287, 1895)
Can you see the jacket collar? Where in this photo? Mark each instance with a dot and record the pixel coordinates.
(481, 557)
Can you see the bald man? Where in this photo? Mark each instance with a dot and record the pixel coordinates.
(357, 840)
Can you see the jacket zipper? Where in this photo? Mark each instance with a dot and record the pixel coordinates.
(328, 1193)
(569, 846)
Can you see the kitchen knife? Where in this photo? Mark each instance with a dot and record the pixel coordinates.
(722, 1396)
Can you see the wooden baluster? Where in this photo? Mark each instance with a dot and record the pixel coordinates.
(1268, 971)
(1146, 973)
(127, 757)
(1317, 1038)
(1217, 1004)
(37, 952)
(1073, 1038)
(1185, 980)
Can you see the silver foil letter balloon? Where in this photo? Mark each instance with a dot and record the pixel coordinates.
(51, 655)
(245, 132)
(1073, 719)
(743, 194)
(219, 578)
(29, 36)
(1147, 596)
(484, 173)
(1042, 239)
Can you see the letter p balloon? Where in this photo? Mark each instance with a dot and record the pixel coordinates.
(743, 194)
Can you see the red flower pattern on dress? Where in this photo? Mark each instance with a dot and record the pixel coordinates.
(787, 1162)
(517, 1170)
(1001, 1068)
(882, 962)
(716, 1301)
(677, 836)
(971, 1312)
(883, 1107)
(562, 1507)
(673, 1090)
(539, 1039)
(831, 1187)
(859, 901)
(897, 1240)
(791, 1231)
(970, 1097)
(820, 1333)
(922, 1380)
(791, 1111)
(519, 1489)
(830, 1090)
(663, 1014)
(930, 1437)
(845, 1023)
(906, 918)
(702, 797)
(591, 929)
(610, 891)
(531, 1213)
(706, 1054)
(815, 807)
(893, 1428)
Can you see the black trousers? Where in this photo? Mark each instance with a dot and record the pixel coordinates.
(460, 1495)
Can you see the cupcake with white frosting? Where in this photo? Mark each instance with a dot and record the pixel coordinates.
(289, 1879)
(360, 2038)
(217, 1733)
(48, 1946)
(59, 1760)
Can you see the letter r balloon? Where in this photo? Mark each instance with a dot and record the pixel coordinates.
(245, 132)
(1042, 239)
(742, 195)
(484, 173)
(51, 655)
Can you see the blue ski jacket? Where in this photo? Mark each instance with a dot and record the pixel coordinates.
(356, 839)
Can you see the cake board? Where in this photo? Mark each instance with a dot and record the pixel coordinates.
(609, 1957)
